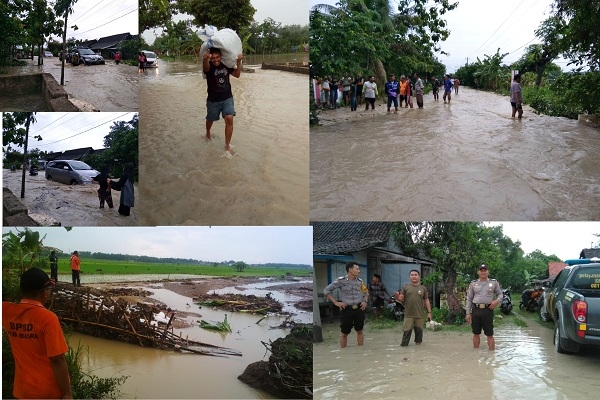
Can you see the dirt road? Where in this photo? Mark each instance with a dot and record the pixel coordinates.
(71, 205)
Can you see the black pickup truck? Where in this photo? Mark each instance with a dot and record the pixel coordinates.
(573, 303)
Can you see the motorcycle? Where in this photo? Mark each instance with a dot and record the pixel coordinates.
(506, 304)
(531, 300)
(396, 309)
(33, 171)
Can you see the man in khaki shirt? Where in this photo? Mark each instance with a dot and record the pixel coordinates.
(481, 305)
(416, 300)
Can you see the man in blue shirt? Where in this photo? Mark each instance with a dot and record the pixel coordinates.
(447, 88)
(392, 89)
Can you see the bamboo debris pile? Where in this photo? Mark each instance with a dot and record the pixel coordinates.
(240, 303)
(95, 312)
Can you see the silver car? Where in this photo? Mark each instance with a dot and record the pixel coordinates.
(71, 172)
(151, 58)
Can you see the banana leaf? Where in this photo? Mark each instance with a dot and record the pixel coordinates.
(216, 326)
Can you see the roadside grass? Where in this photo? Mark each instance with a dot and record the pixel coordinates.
(112, 267)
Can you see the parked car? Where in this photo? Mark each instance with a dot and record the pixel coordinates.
(71, 172)
(573, 303)
(151, 58)
(86, 56)
(48, 54)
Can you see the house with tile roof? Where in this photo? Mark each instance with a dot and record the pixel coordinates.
(370, 245)
(74, 154)
(106, 46)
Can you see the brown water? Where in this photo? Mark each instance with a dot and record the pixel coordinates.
(107, 87)
(523, 366)
(161, 374)
(463, 160)
(187, 181)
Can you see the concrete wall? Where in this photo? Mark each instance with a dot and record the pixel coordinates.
(55, 96)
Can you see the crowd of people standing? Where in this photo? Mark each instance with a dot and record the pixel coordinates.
(346, 91)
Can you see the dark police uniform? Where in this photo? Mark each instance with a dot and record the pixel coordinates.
(353, 292)
(479, 296)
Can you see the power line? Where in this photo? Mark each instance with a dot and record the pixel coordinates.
(99, 26)
(513, 11)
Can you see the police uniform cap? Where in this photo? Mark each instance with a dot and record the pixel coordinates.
(482, 266)
(377, 276)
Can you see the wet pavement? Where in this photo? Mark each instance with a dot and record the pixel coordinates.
(523, 366)
(107, 87)
(463, 160)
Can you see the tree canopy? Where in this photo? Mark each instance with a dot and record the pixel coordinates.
(233, 14)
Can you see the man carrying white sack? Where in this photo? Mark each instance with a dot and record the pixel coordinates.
(220, 98)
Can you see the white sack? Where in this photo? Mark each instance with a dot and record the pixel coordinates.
(226, 40)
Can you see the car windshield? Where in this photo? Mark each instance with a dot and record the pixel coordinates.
(587, 278)
(149, 54)
(86, 52)
(79, 165)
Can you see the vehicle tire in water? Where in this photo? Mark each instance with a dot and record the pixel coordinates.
(544, 316)
(49, 177)
(561, 345)
(74, 182)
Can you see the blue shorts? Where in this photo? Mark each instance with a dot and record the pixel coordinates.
(216, 108)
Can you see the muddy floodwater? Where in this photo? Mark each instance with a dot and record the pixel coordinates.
(70, 205)
(185, 180)
(463, 160)
(523, 366)
(107, 87)
(161, 374)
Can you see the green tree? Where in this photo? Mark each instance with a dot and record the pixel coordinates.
(64, 7)
(455, 247)
(155, 13)
(11, 29)
(234, 14)
(13, 132)
(580, 30)
(240, 266)
(490, 72)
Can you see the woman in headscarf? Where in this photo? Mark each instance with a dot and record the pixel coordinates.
(125, 185)
(103, 180)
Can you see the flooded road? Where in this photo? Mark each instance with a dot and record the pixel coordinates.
(463, 160)
(160, 374)
(523, 366)
(187, 181)
(107, 87)
(71, 205)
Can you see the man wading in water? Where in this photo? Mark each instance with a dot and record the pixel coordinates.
(220, 98)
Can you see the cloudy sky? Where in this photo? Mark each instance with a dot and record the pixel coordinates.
(249, 244)
(66, 131)
(481, 27)
(563, 239)
(288, 12)
(100, 18)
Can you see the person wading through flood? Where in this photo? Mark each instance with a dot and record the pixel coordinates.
(75, 268)
(416, 299)
(220, 97)
(37, 341)
(481, 305)
(354, 297)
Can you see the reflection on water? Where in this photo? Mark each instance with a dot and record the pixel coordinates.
(187, 181)
(163, 374)
(464, 160)
(446, 366)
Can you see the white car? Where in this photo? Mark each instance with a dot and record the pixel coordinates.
(48, 54)
(151, 58)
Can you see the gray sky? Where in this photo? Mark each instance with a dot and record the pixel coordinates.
(288, 12)
(101, 18)
(66, 131)
(479, 27)
(249, 244)
(563, 239)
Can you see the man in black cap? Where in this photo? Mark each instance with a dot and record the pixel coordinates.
(377, 290)
(37, 341)
(481, 305)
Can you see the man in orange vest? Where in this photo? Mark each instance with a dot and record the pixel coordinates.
(37, 342)
(75, 268)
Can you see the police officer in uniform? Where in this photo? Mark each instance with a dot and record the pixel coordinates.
(354, 297)
(481, 305)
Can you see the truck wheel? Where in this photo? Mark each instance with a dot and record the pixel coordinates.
(561, 345)
(544, 316)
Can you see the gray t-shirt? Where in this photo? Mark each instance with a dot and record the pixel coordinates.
(515, 92)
